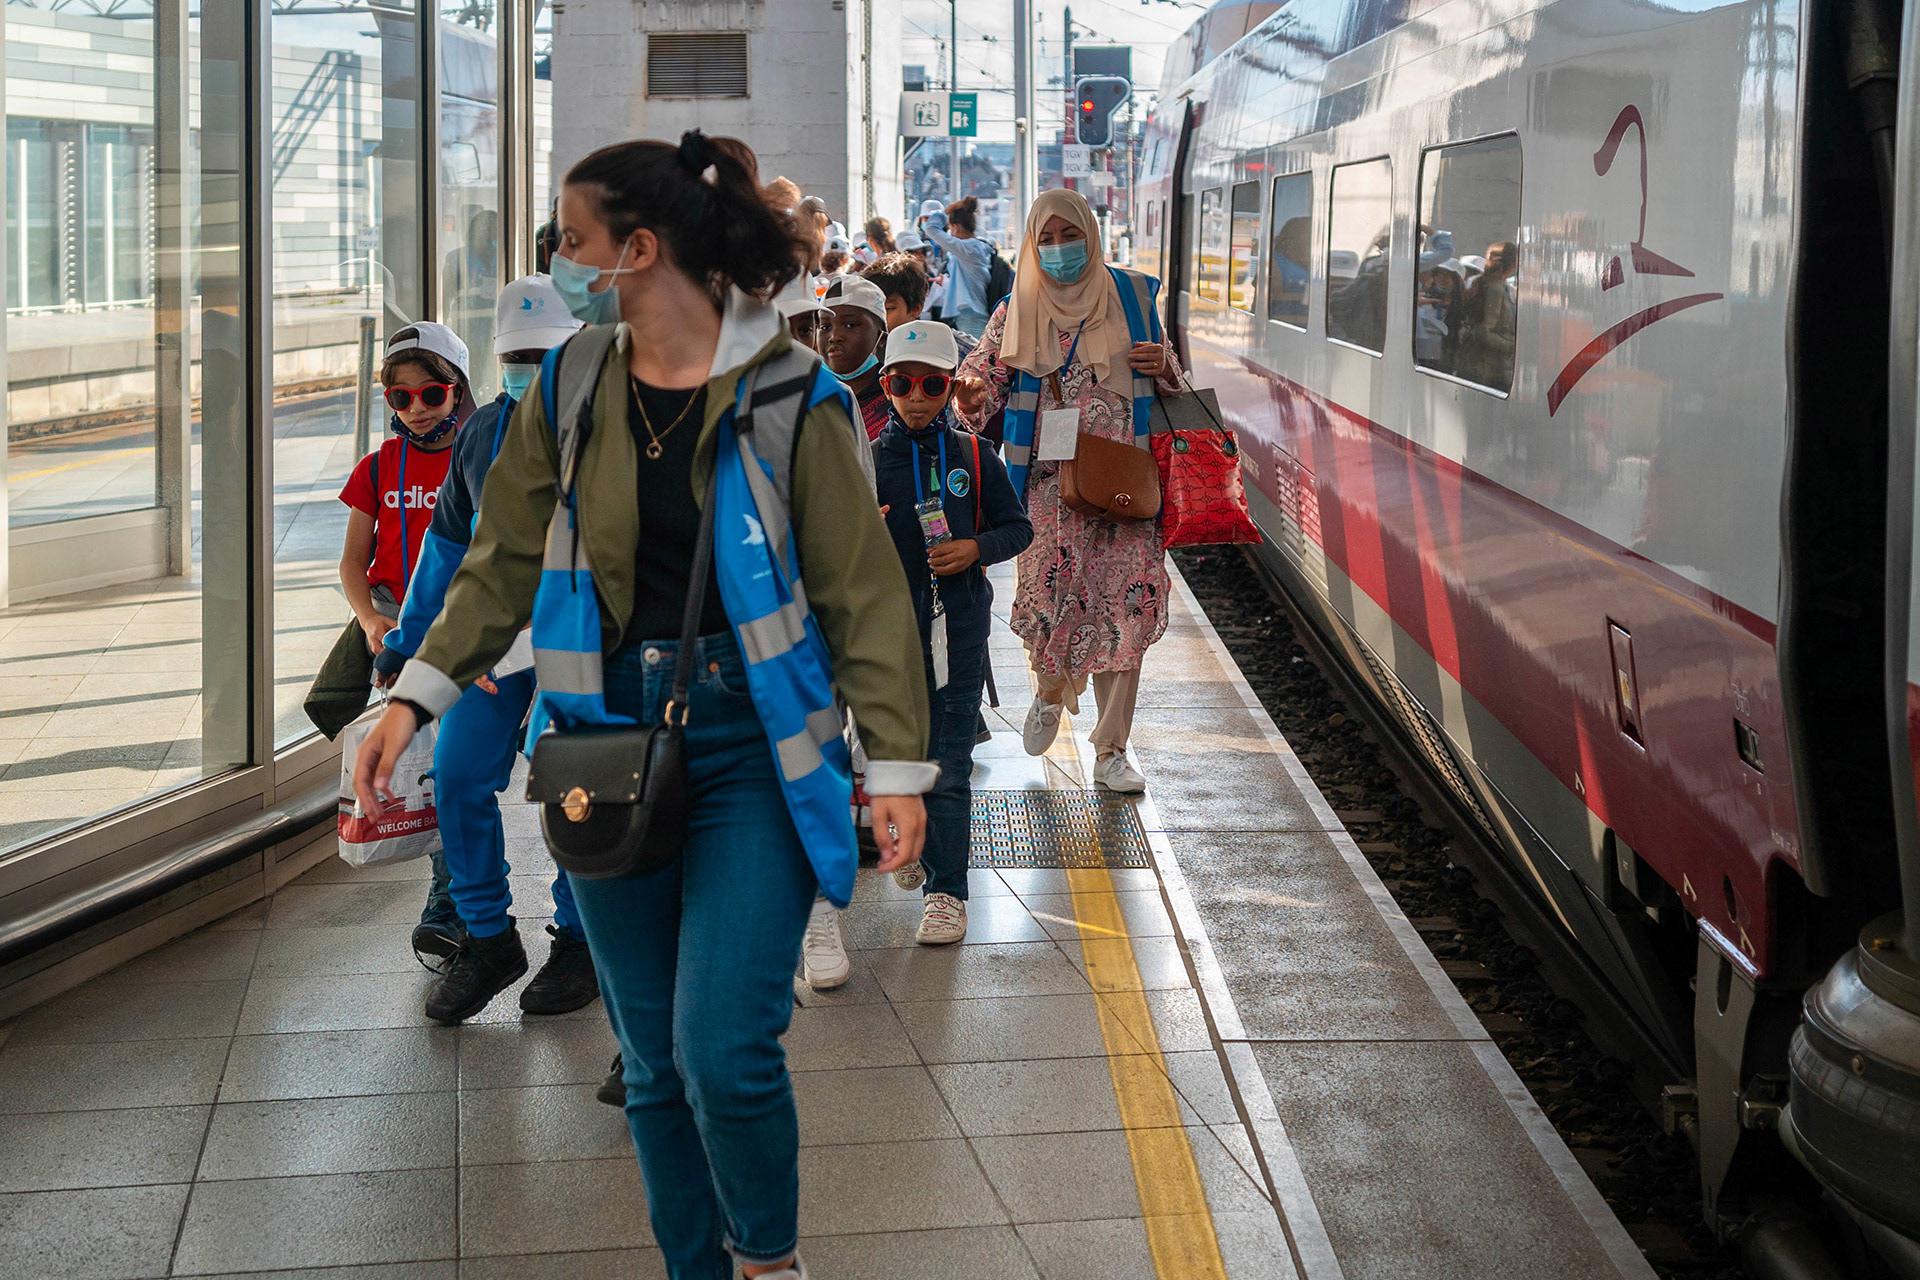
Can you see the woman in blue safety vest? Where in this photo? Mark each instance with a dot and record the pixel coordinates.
(696, 959)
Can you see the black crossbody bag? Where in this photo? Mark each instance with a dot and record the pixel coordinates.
(613, 801)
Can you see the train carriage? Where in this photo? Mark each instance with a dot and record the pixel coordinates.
(1555, 336)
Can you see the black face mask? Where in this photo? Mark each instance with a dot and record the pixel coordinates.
(434, 436)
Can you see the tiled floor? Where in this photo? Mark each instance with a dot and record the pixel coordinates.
(1121, 1075)
(265, 1095)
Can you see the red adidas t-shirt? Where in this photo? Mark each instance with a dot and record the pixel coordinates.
(424, 473)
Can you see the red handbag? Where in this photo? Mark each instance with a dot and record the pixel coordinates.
(1203, 501)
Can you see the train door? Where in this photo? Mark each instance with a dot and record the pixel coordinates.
(1177, 232)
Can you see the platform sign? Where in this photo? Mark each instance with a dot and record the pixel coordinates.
(1076, 161)
(923, 115)
(963, 115)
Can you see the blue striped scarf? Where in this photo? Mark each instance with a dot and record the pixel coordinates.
(1139, 298)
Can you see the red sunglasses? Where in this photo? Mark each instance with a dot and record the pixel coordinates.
(434, 395)
(932, 384)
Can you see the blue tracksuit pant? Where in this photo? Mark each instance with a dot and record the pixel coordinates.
(472, 761)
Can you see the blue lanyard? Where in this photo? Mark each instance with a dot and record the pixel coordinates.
(919, 490)
(1073, 347)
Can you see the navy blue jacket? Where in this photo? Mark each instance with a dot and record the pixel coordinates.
(1004, 530)
(455, 512)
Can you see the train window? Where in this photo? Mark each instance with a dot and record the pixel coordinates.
(1290, 250)
(1243, 268)
(1189, 235)
(1359, 228)
(1467, 295)
(1211, 269)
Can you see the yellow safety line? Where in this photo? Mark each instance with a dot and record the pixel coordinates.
(76, 465)
(1180, 1230)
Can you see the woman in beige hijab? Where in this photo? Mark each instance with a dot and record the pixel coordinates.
(1093, 592)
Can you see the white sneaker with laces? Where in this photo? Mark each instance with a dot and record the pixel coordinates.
(1115, 774)
(1042, 727)
(942, 921)
(823, 955)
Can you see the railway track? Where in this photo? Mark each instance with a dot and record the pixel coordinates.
(1586, 1062)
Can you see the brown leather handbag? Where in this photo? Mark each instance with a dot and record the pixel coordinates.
(1108, 479)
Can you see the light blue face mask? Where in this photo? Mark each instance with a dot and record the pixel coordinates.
(574, 283)
(516, 378)
(1064, 262)
(866, 367)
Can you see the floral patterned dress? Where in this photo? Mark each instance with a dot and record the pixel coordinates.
(1092, 593)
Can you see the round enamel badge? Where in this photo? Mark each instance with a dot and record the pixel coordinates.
(959, 483)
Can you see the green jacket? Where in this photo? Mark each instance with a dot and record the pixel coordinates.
(855, 585)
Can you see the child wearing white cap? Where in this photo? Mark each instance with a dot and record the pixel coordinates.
(857, 326)
(951, 511)
(473, 754)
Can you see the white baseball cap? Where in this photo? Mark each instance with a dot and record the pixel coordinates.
(909, 242)
(922, 342)
(531, 316)
(797, 297)
(836, 231)
(838, 244)
(427, 335)
(856, 291)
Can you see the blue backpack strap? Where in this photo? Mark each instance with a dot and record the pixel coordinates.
(549, 370)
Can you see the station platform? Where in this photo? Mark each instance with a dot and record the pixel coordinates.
(1189, 1036)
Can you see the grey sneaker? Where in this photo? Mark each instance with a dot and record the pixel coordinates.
(1042, 726)
(823, 955)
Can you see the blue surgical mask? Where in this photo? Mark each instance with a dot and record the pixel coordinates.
(516, 378)
(1064, 262)
(865, 368)
(574, 282)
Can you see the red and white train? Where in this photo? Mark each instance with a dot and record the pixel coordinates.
(1556, 336)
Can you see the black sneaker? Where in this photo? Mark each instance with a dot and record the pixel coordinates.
(613, 1090)
(566, 981)
(435, 943)
(484, 968)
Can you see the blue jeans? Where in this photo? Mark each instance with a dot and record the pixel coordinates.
(696, 966)
(956, 723)
(472, 761)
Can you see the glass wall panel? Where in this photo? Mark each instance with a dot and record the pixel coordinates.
(347, 272)
(1359, 233)
(546, 183)
(124, 642)
(469, 180)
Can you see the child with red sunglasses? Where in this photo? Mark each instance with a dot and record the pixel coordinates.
(390, 499)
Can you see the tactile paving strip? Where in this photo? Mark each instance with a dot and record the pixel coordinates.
(1065, 829)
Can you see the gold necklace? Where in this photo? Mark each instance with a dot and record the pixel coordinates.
(654, 438)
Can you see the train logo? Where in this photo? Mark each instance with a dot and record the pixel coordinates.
(1645, 262)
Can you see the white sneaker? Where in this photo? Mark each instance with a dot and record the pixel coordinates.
(1042, 727)
(798, 1271)
(942, 921)
(911, 876)
(823, 955)
(1115, 774)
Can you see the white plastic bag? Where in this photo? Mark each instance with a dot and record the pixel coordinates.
(408, 829)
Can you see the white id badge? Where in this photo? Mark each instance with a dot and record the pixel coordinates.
(939, 650)
(1059, 434)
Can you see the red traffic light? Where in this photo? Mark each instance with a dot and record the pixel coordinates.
(1086, 104)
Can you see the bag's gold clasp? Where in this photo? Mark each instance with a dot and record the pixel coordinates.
(578, 805)
(669, 716)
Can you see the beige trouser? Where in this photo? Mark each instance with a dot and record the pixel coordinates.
(1114, 691)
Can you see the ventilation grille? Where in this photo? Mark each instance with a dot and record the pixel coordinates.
(1427, 736)
(706, 64)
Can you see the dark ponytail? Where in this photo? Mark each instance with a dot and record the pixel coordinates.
(964, 213)
(702, 199)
